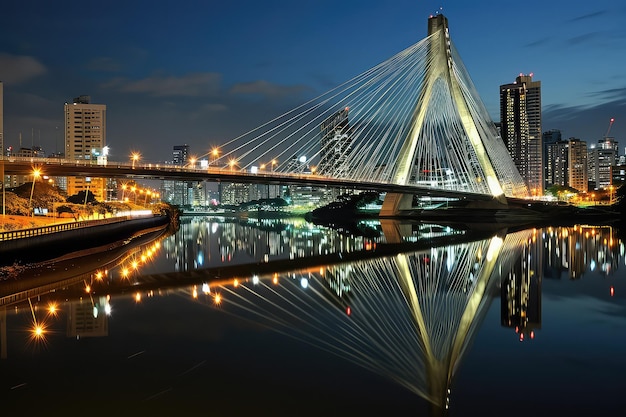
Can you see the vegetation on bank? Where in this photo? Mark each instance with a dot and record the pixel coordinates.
(346, 206)
(49, 205)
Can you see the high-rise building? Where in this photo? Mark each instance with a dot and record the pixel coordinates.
(85, 140)
(577, 156)
(520, 128)
(178, 192)
(180, 155)
(557, 163)
(548, 138)
(602, 158)
(335, 143)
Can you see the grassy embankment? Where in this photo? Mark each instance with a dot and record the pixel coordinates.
(13, 222)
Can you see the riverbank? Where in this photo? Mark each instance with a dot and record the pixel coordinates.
(14, 222)
(57, 240)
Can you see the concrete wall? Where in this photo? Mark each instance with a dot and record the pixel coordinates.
(54, 245)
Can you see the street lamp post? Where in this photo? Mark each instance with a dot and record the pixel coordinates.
(215, 154)
(134, 158)
(36, 174)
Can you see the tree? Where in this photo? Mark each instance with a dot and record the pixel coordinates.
(65, 209)
(79, 198)
(44, 194)
(15, 204)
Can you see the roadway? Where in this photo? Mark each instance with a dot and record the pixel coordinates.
(55, 167)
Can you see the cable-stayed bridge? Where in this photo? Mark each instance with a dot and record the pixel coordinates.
(414, 124)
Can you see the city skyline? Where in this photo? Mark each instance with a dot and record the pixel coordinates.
(201, 74)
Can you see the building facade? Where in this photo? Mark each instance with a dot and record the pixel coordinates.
(577, 156)
(520, 129)
(335, 143)
(180, 155)
(85, 140)
(177, 192)
(557, 163)
(548, 138)
(602, 159)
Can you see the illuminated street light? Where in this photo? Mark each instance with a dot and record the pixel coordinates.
(213, 156)
(124, 187)
(134, 158)
(36, 174)
(274, 162)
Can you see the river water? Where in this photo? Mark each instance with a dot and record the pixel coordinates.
(286, 318)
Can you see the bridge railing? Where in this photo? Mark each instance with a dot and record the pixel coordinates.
(45, 230)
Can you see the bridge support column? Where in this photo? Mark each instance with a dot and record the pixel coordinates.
(395, 231)
(395, 203)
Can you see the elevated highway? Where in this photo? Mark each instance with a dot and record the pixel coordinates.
(55, 167)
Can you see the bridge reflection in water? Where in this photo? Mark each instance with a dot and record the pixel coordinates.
(409, 317)
(408, 311)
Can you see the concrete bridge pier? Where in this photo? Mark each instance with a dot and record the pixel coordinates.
(395, 203)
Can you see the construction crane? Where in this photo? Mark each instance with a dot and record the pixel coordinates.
(609, 129)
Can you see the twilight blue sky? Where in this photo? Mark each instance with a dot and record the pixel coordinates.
(203, 72)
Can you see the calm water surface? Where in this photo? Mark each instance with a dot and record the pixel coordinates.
(286, 318)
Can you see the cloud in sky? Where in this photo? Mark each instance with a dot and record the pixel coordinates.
(104, 64)
(266, 89)
(586, 122)
(587, 16)
(16, 69)
(190, 85)
(538, 42)
(585, 38)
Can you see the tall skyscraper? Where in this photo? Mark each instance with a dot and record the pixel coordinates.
(85, 140)
(601, 159)
(549, 138)
(335, 143)
(577, 156)
(520, 128)
(557, 163)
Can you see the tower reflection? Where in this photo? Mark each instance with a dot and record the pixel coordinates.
(410, 316)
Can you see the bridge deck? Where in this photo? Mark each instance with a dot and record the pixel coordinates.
(60, 168)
